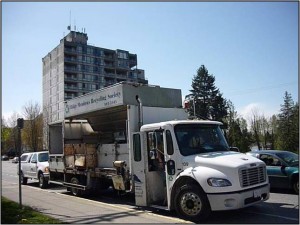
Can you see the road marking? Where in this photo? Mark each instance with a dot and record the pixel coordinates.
(282, 217)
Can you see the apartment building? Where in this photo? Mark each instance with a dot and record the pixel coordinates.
(75, 68)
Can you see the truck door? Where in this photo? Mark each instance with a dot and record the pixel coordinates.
(33, 166)
(139, 144)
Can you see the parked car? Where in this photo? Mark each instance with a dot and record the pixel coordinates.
(282, 168)
(4, 158)
(35, 166)
(15, 160)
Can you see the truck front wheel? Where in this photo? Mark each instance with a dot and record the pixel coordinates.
(192, 203)
(43, 183)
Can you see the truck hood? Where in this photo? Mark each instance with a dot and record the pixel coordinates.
(44, 164)
(219, 160)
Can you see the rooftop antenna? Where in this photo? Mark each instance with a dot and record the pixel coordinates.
(70, 27)
(75, 25)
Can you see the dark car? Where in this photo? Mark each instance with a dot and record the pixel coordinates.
(4, 158)
(282, 168)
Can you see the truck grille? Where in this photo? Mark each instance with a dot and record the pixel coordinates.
(252, 176)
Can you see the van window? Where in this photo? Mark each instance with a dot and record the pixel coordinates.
(34, 158)
(43, 157)
(24, 157)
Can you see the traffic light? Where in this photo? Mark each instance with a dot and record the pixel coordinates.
(20, 123)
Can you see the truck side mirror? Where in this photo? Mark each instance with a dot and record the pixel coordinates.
(171, 167)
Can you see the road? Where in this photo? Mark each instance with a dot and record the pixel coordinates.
(281, 208)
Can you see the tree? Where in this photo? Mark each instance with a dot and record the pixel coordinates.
(256, 127)
(12, 140)
(33, 125)
(206, 98)
(288, 124)
(237, 133)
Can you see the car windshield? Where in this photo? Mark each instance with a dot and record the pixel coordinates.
(43, 157)
(290, 158)
(201, 138)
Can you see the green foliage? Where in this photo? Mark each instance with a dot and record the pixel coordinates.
(11, 213)
(208, 100)
(288, 125)
(278, 132)
(237, 133)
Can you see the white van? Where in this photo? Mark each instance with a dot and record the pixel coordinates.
(35, 165)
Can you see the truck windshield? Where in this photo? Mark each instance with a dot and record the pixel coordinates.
(200, 138)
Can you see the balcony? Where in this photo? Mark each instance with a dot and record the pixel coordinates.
(70, 50)
(71, 68)
(70, 59)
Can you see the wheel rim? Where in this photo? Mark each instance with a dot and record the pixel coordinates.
(75, 191)
(190, 204)
(41, 180)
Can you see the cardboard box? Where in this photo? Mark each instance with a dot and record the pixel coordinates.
(90, 149)
(80, 160)
(79, 148)
(69, 161)
(91, 161)
(68, 149)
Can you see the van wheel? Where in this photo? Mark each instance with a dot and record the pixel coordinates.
(75, 191)
(191, 203)
(23, 179)
(43, 183)
(296, 186)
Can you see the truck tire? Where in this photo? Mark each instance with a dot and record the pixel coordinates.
(23, 179)
(75, 191)
(191, 203)
(43, 183)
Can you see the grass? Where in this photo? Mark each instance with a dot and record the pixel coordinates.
(11, 213)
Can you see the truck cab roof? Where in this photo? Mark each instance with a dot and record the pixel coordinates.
(175, 122)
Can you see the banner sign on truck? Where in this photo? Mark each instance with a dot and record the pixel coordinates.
(93, 101)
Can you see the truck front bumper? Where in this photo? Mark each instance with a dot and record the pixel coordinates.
(239, 199)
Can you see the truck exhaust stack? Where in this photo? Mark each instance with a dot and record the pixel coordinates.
(140, 110)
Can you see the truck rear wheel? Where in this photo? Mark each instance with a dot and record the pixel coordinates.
(75, 191)
(191, 203)
(23, 179)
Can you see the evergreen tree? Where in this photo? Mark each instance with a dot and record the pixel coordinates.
(237, 134)
(207, 99)
(288, 136)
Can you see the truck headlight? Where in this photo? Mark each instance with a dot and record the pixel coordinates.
(218, 182)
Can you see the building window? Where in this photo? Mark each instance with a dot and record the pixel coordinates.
(122, 55)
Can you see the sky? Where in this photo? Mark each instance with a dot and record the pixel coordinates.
(250, 47)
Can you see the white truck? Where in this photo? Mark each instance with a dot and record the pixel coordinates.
(138, 139)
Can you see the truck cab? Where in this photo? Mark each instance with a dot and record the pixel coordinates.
(188, 166)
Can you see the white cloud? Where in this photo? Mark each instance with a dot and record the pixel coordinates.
(260, 108)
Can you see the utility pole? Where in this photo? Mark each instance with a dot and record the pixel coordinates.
(20, 125)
